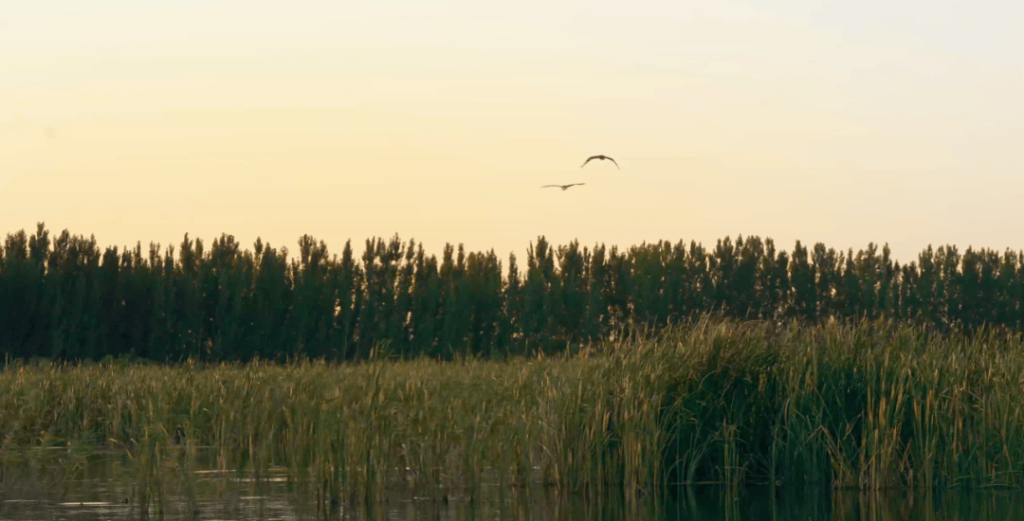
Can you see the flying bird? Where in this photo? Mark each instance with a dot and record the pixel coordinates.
(564, 187)
(599, 157)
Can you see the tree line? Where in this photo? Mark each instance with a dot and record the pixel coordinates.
(66, 298)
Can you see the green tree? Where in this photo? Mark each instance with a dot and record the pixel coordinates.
(137, 281)
(270, 302)
(572, 265)
(456, 311)
(189, 299)
(828, 287)
(484, 285)
(618, 289)
(773, 282)
(947, 260)
(595, 321)
(908, 303)
(347, 281)
(512, 332)
(722, 265)
(928, 289)
(162, 341)
(540, 307)
(426, 304)
(647, 275)
(1011, 304)
(743, 285)
(850, 289)
(224, 292)
(802, 279)
(380, 266)
(313, 304)
(399, 324)
(71, 275)
(700, 296)
(969, 289)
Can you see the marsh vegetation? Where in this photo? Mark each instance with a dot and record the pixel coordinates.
(871, 406)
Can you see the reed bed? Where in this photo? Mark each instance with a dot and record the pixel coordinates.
(869, 405)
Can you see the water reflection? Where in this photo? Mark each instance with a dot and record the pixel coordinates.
(109, 493)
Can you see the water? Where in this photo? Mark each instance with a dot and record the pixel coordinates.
(107, 491)
(105, 503)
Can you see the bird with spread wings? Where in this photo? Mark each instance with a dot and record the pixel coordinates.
(599, 157)
(564, 187)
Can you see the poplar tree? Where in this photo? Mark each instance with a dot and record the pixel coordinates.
(189, 301)
(381, 271)
(70, 282)
(425, 304)
(910, 305)
(138, 283)
(37, 300)
(828, 287)
(618, 289)
(1011, 282)
(226, 289)
(677, 284)
(572, 289)
(271, 301)
(773, 282)
(15, 291)
(162, 341)
(746, 303)
(484, 285)
(948, 290)
(850, 288)
(928, 288)
(801, 276)
(456, 308)
(647, 276)
(66, 299)
(512, 332)
(111, 305)
(346, 281)
(313, 308)
(722, 265)
(700, 296)
(399, 325)
(595, 321)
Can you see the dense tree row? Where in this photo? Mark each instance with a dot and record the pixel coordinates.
(66, 298)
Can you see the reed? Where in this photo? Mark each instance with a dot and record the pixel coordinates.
(868, 405)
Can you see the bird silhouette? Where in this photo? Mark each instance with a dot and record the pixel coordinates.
(564, 187)
(599, 157)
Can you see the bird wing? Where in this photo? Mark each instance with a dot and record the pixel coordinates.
(588, 160)
(551, 186)
(613, 161)
(577, 184)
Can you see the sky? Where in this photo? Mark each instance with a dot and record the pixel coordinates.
(845, 123)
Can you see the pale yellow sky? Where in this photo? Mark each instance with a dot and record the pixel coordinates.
(845, 124)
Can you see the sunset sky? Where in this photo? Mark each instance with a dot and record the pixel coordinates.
(837, 122)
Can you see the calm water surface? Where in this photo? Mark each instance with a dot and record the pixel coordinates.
(104, 493)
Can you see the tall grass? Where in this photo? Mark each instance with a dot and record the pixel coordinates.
(870, 405)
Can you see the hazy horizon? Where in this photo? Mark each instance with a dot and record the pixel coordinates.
(440, 121)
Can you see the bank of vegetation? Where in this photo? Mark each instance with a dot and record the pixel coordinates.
(872, 405)
(66, 298)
